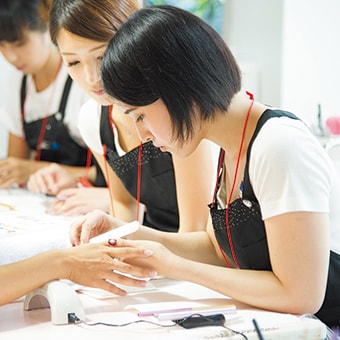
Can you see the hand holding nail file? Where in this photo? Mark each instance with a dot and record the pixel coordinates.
(119, 232)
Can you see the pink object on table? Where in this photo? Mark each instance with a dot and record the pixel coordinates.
(333, 125)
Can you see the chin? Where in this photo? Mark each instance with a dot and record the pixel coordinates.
(100, 99)
(181, 153)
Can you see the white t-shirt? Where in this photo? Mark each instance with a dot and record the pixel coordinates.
(89, 127)
(40, 104)
(286, 177)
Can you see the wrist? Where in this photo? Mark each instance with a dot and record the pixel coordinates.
(60, 264)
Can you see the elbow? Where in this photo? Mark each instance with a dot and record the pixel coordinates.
(307, 303)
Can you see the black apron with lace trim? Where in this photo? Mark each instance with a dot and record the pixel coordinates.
(158, 186)
(57, 146)
(249, 236)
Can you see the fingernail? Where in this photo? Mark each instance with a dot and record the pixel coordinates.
(152, 274)
(148, 252)
(112, 242)
(142, 283)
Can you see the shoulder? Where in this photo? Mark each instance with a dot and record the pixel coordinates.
(285, 159)
(89, 123)
(89, 115)
(284, 138)
(10, 112)
(13, 81)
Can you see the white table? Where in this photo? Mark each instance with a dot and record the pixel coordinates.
(26, 228)
(15, 323)
(39, 231)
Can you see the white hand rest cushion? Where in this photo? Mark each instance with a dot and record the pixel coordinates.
(61, 299)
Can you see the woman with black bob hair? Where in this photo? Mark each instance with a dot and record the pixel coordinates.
(274, 213)
(175, 71)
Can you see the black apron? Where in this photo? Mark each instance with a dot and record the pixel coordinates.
(57, 146)
(249, 237)
(158, 186)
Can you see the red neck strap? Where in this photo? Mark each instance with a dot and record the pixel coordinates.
(220, 169)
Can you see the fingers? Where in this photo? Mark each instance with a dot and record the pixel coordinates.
(36, 183)
(5, 177)
(87, 226)
(6, 180)
(115, 279)
(93, 225)
(102, 266)
(122, 243)
(64, 205)
(130, 273)
(75, 230)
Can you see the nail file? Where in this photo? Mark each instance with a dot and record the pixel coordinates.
(119, 232)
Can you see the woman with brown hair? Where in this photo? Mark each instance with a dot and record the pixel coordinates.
(164, 192)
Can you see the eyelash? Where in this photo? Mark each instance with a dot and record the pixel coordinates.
(140, 118)
(74, 63)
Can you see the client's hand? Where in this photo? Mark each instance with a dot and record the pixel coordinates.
(162, 261)
(100, 265)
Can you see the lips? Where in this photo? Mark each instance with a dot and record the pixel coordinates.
(99, 92)
(162, 147)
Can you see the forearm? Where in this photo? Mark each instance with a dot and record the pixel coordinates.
(194, 245)
(124, 211)
(261, 289)
(81, 171)
(18, 279)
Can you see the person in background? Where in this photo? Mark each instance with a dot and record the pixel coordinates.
(91, 265)
(275, 213)
(146, 184)
(41, 105)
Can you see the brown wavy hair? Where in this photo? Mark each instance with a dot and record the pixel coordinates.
(96, 20)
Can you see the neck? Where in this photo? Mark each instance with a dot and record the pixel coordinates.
(49, 71)
(227, 128)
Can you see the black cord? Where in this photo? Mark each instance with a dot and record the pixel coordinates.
(126, 324)
(73, 318)
(235, 332)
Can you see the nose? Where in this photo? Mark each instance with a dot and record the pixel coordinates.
(10, 55)
(144, 134)
(92, 74)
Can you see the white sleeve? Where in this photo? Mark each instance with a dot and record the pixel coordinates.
(89, 125)
(76, 99)
(289, 170)
(10, 111)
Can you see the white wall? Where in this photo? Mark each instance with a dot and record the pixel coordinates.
(289, 52)
(311, 57)
(253, 30)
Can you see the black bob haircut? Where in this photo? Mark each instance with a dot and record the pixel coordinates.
(163, 52)
(16, 16)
